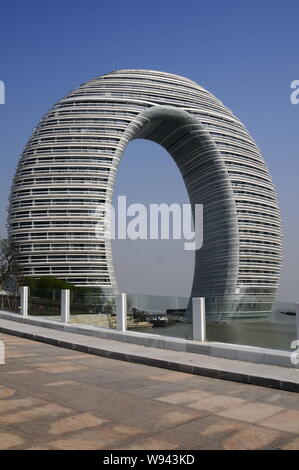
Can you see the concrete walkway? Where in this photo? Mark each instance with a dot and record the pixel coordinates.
(54, 398)
(282, 378)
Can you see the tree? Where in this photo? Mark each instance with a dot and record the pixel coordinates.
(46, 286)
(9, 264)
(46, 282)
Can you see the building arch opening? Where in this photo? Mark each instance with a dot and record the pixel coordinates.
(148, 175)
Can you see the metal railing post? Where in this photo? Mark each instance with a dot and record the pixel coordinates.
(297, 320)
(199, 318)
(65, 305)
(24, 300)
(121, 312)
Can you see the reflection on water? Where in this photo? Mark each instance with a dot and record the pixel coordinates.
(260, 333)
(264, 334)
(178, 330)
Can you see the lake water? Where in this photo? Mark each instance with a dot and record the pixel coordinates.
(262, 333)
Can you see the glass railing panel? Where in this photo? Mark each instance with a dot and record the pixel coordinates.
(44, 302)
(251, 321)
(93, 306)
(10, 301)
(159, 315)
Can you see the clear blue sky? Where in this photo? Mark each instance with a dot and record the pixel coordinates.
(245, 52)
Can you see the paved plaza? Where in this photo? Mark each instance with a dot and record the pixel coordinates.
(54, 398)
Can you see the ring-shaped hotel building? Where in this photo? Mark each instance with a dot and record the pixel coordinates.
(67, 171)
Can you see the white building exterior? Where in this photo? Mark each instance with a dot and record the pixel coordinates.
(68, 168)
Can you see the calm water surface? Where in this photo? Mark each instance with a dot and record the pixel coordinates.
(264, 334)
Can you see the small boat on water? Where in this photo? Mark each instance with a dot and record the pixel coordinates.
(286, 312)
(161, 320)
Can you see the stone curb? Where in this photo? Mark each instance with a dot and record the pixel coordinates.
(235, 372)
(212, 349)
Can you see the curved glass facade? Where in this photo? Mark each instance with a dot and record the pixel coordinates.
(68, 168)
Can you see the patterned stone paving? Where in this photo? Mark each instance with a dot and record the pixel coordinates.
(52, 398)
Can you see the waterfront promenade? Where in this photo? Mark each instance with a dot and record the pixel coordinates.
(55, 398)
